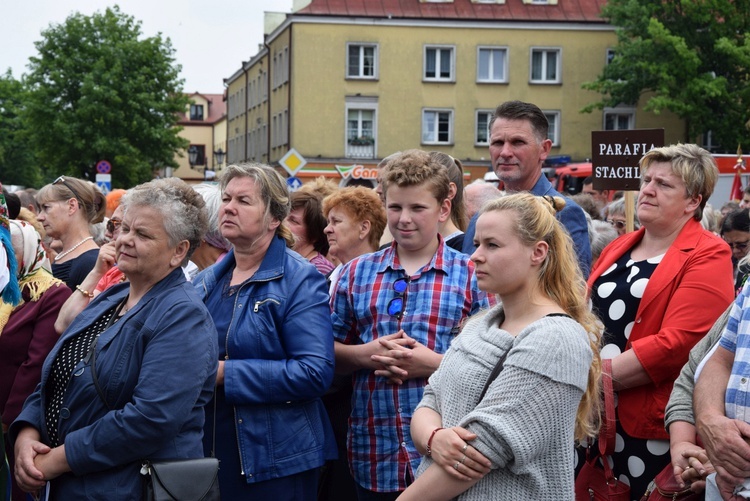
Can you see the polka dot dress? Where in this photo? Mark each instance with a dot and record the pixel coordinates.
(616, 296)
(73, 351)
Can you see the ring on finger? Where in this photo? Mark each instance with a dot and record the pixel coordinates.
(464, 448)
(456, 466)
(463, 459)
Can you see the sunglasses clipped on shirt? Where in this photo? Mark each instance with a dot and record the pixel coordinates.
(397, 305)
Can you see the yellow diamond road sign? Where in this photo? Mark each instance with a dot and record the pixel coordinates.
(292, 161)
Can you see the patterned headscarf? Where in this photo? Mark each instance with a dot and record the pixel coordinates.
(33, 267)
(10, 292)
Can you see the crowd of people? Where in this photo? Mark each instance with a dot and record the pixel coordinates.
(423, 340)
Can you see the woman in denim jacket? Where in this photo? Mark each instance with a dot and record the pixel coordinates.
(270, 307)
(150, 342)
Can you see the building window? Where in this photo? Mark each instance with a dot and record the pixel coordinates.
(482, 131)
(545, 66)
(553, 133)
(362, 61)
(610, 55)
(492, 64)
(196, 112)
(439, 64)
(437, 126)
(359, 127)
(619, 119)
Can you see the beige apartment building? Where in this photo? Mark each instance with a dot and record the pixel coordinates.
(347, 83)
(204, 124)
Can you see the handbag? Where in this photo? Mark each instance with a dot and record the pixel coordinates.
(664, 487)
(181, 480)
(596, 483)
(170, 480)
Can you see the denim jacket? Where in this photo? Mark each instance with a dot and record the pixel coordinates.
(156, 367)
(279, 363)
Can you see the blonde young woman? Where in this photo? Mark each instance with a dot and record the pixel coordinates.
(514, 443)
(67, 208)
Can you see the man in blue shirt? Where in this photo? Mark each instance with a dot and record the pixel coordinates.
(518, 147)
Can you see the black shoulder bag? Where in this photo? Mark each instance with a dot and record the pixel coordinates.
(171, 480)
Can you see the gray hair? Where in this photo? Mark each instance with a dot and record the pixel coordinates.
(212, 196)
(602, 233)
(182, 209)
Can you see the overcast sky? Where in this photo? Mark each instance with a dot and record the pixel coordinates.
(211, 37)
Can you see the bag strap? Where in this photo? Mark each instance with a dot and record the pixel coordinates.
(493, 375)
(608, 424)
(92, 353)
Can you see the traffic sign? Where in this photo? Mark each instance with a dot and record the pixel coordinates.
(104, 182)
(294, 183)
(103, 167)
(292, 161)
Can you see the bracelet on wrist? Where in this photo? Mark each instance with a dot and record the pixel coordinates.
(86, 293)
(429, 441)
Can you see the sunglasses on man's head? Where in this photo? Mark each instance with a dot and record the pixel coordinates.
(397, 305)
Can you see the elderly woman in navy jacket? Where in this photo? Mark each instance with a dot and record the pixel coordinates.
(270, 307)
(152, 345)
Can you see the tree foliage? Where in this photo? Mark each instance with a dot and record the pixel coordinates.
(690, 57)
(97, 91)
(17, 165)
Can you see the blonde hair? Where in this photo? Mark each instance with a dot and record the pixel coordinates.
(691, 163)
(91, 201)
(456, 176)
(272, 189)
(561, 280)
(415, 168)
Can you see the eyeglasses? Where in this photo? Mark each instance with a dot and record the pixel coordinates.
(61, 179)
(620, 225)
(740, 246)
(397, 305)
(113, 224)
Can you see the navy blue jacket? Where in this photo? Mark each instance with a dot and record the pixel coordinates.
(157, 369)
(279, 363)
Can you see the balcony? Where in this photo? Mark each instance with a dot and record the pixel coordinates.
(360, 147)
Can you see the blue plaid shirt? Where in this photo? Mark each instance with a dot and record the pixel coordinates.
(438, 299)
(736, 338)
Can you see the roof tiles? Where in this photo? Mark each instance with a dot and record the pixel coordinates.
(512, 10)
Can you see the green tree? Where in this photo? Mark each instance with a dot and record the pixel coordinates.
(17, 165)
(688, 57)
(97, 91)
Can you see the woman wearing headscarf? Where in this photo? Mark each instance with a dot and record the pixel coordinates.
(149, 343)
(27, 331)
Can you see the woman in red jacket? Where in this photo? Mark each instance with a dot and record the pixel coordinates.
(658, 290)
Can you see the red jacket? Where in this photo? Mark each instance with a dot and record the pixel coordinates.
(687, 292)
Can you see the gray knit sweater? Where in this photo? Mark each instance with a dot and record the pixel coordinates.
(525, 422)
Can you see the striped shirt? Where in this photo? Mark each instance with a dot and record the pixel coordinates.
(438, 298)
(736, 338)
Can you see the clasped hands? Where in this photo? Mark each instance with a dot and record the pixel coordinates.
(399, 357)
(726, 442)
(36, 463)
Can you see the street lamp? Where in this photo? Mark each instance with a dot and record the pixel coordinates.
(219, 155)
(193, 155)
